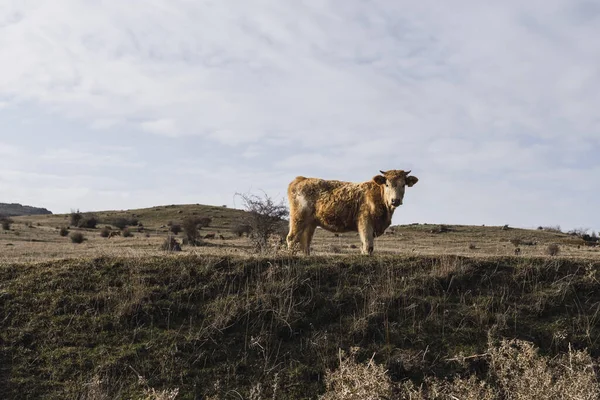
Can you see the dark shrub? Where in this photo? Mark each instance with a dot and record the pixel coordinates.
(191, 227)
(105, 232)
(75, 218)
(175, 228)
(120, 223)
(77, 237)
(6, 222)
(88, 222)
(127, 233)
(64, 231)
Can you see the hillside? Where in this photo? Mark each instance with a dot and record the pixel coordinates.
(14, 209)
(35, 238)
(238, 327)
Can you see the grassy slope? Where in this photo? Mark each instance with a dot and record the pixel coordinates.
(152, 218)
(211, 325)
(35, 238)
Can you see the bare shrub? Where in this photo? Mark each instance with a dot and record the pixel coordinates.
(77, 237)
(75, 217)
(191, 227)
(170, 244)
(553, 249)
(472, 246)
(105, 232)
(266, 218)
(127, 233)
(64, 231)
(357, 381)
(517, 372)
(523, 374)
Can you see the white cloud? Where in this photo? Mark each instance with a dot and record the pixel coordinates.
(484, 99)
(165, 126)
(97, 158)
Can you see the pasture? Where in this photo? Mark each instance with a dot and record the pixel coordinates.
(121, 318)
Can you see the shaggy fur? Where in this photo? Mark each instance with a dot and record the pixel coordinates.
(337, 206)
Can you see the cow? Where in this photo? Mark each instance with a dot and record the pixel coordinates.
(337, 206)
(114, 233)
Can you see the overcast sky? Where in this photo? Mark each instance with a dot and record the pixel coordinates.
(495, 106)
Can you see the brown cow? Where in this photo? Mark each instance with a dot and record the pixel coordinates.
(337, 206)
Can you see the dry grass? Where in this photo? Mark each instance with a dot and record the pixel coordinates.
(36, 238)
(516, 372)
(217, 321)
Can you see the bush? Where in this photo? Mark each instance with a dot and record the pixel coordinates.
(127, 233)
(105, 232)
(170, 244)
(191, 227)
(64, 231)
(6, 222)
(265, 217)
(88, 222)
(552, 249)
(75, 218)
(357, 381)
(175, 228)
(123, 222)
(77, 237)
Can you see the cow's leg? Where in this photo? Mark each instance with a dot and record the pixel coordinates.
(296, 232)
(365, 230)
(306, 238)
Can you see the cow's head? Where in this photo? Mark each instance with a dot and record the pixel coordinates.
(393, 183)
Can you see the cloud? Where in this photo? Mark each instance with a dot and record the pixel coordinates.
(487, 101)
(115, 159)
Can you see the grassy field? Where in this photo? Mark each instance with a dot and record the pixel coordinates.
(120, 318)
(36, 238)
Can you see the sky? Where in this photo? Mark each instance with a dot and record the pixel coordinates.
(494, 106)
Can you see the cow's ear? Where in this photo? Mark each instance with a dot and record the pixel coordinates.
(379, 179)
(411, 180)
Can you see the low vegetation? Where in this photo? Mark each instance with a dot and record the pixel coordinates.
(265, 218)
(77, 237)
(6, 222)
(273, 327)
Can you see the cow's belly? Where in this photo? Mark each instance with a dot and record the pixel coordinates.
(338, 225)
(338, 228)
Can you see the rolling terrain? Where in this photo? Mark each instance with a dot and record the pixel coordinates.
(121, 318)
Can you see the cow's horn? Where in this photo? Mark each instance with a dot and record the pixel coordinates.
(407, 172)
(382, 172)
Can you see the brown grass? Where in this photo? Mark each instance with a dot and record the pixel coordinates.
(24, 244)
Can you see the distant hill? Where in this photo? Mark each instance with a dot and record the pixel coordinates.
(15, 209)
